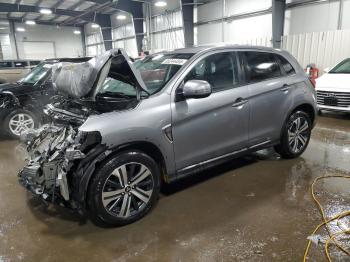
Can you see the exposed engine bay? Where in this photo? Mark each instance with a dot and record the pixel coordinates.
(61, 157)
(51, 149)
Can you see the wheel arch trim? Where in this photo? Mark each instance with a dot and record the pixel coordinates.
(84, 172)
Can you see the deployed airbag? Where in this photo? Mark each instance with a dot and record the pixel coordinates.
(77, 79)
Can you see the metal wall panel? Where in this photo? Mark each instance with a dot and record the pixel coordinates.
(167, 31)
(124, 37)
(324, 49)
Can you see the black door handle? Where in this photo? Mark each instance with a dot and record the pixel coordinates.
(285, 88)
(239, 102)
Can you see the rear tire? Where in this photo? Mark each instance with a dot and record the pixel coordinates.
(296, 135)
(19, 120)
(124, 189)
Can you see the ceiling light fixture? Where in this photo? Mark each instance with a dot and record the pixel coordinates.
(95, 26)
(160, 4)
(121, 17)
(45, 11)
(20, 29)
(30, 22)
(77, 32)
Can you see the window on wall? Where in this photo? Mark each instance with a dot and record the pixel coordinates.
(94, 44)
(5, 46)
(167, 32)
(124, 37)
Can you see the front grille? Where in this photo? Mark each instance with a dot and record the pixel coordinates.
(329, 98)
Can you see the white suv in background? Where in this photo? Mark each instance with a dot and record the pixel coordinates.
(333, 88)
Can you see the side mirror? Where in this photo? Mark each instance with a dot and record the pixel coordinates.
(196, 89)
(326, 70)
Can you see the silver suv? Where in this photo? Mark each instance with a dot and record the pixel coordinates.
(112, 144)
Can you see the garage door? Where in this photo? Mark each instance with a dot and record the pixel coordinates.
(39, 50)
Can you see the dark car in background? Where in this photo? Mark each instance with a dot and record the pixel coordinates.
(13, 70)
(22, 102)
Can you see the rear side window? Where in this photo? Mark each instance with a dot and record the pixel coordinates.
(20, 63)
(220, 70)
(5, 64)
(287, 67)
(261, 66)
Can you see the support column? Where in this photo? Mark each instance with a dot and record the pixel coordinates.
(83, 40)
(278, 11)
(188, 20)
(138, 18)
(13, 40)
(136, 10)
(341, 14)
(105, 23)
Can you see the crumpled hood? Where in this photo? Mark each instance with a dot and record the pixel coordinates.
(83, 79)
(334, 82)
(13, 87)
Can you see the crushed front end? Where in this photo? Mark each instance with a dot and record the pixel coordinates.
(52, 152)
(62, 158)
(59, 159)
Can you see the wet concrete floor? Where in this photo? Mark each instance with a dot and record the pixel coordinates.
(256, 208)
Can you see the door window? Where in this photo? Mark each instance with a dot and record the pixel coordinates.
(261, 66)
(219, 70)
(287, 67)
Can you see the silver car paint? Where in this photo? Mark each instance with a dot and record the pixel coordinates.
(208, 127)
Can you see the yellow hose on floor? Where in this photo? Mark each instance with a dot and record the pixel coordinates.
(326, 221)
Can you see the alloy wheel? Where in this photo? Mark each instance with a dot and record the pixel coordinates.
(298, 134)
(21, 122)
(127, 190)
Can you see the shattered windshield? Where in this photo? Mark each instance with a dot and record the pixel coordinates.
(342, 68)
(155, 70)
(36, 74)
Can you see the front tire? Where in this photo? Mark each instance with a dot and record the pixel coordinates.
(296, 135)
(124, 189)
(19, 121)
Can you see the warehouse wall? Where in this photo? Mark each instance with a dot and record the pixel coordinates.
(66, 44)
(346, 16)
(316, 17)
(312, 18)
(312, 35)
(236, 30)
(124, 37)
(324, 49)
(167, 31)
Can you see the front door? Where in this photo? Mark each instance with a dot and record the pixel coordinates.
(210, 127)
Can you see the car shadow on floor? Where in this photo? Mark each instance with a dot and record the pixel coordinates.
(46, 212)
(4, 137)
(335, 115)
(200, 177)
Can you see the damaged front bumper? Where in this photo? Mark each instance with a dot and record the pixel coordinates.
(55, 153)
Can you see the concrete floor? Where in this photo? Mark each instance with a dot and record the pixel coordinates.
(256, 208)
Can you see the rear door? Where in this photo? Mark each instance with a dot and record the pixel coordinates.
(207, 128)
(269, 94)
